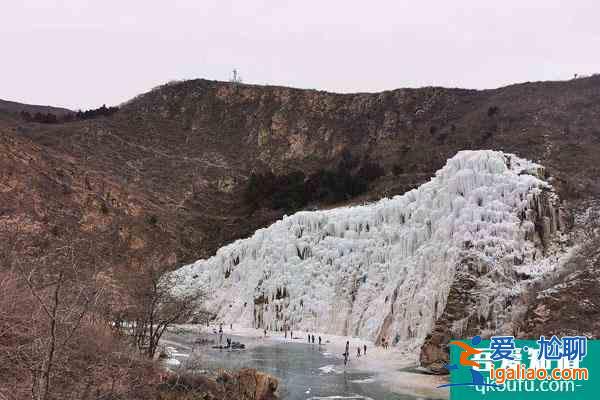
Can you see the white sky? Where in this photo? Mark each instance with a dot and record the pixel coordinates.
(81, 54)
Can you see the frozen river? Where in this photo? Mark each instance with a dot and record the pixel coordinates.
(304, 371)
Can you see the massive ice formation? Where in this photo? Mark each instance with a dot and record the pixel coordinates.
(383, 268)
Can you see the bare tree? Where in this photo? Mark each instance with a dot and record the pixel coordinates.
(64, 300)
(57, 340)
(45, 299)
(152, 306)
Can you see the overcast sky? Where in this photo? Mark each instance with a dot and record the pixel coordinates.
(81, 54)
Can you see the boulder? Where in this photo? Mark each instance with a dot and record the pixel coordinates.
(248, 384)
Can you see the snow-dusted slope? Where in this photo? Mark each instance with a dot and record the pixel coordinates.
(382, 266)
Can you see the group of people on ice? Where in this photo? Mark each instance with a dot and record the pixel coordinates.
(347, 352)
(359, 350)
(311, 339)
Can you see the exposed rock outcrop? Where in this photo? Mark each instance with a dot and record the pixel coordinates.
(485, 299)
(245, 384)
(460, 309)
(569, 303)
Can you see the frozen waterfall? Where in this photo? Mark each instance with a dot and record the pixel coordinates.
(385, 266)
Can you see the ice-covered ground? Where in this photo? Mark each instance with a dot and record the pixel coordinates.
(382, 269)
(390, 367)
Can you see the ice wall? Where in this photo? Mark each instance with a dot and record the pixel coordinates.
(386, 266)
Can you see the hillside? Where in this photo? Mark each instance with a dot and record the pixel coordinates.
(14, 107)
(173, 164)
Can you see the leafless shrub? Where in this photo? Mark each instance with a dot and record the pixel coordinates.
(150, 306)
(54, 341)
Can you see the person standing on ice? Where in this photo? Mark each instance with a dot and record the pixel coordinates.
(319, 340)
(358, 352)
(365, 349)
(220, 333)
(347, 353)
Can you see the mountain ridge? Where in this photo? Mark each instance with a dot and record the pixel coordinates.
(215, 135)
(16, 107)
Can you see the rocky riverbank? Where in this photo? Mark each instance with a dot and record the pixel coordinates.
(245, 384)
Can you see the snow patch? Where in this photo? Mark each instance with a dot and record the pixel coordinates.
(365, 380)
(173, 362)
(327, 369)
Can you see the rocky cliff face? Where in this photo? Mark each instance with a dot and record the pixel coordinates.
(563, 303)
(568, 302)
(484, 301)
